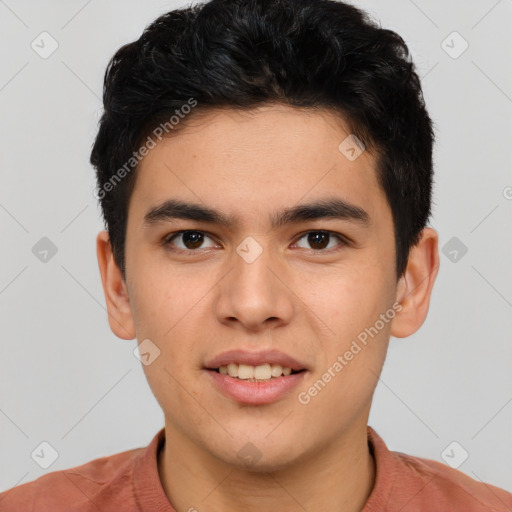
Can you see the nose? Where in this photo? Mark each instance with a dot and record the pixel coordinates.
(254, 295)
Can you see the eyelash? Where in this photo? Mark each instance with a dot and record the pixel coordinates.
(167, 240)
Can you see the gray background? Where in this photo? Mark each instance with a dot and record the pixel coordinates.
(66, 379)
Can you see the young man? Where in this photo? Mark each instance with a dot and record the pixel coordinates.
(265, 174)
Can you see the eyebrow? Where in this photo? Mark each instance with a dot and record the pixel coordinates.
(328, 208)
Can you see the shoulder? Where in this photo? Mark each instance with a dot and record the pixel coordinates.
(408, 483)
(79, 488)
(434, 482)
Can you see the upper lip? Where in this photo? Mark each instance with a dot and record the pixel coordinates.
(254, 359)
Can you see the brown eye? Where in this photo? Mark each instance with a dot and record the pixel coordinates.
(319, 240)
(191, 240)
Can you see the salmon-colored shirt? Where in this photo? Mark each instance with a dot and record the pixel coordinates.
(129, 481)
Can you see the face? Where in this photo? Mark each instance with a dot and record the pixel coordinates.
(318, 287)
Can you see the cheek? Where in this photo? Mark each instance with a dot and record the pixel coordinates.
(163, 296)
(169, 310)
(348, 299)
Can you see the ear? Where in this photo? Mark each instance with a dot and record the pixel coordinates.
(119, 310)
(415, 286)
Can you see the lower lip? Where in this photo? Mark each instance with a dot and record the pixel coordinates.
(255, 393)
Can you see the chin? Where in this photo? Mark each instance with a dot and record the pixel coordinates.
(253, 460)
(256, 451)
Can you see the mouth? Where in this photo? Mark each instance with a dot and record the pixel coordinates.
(255, 378)
(255, 385)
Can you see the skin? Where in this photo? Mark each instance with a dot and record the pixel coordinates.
(307, 301)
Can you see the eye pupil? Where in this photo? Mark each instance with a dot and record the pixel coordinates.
(316, 237)
(192, 237)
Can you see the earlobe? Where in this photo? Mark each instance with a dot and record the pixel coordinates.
(414, 288)
(120, 316)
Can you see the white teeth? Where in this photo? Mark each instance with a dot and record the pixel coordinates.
(262, 372)
(276, 370)
(233, 370)
(247, 372)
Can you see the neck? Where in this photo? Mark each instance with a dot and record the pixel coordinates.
(338, 476)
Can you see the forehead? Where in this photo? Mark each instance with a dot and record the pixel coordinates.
(247, 163)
